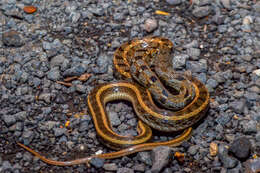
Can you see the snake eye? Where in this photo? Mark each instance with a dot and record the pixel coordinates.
(153, 78)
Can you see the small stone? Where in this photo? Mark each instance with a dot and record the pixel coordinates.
(81, 88)
(247, 58)
(193, 44)
(27, 136)
(193, 149)
(247, 20)
(57, 60)
(257, 136)
(6, 166)
(9, 119)
(238, 106)
(59, 131)
(139, 167)
(75, 17)
(240, 148)
(200, 12)
(150, 25)
(144, 157)
(161, 157)
(226, 3)
(257, 72)
(212, 83)
(249, 126)
(125, 170)
(257, 7)
(213, 149)
(173, 2)
(194, 53)
(197, 67)
(179, 61)
(54, 74)
(252, 166)
(114, 119)
(47, 97)
(12, 38)
(110, 167)
(84, 125)
(97, 162)
(226, 160)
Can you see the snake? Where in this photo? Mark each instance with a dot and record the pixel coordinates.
(163, 99)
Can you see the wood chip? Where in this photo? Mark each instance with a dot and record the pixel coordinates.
(29, 9)
(179, 156)
(84, 77)
(213, 149)
(68, 79)
(162, 13)
(64, 83)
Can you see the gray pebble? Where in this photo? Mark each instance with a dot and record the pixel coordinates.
(212, 83)
(9, 119)
(257, 7)
(59, 131)
(81, 88)
(54, 74)
(139, 167)
(97, 162)
(110, 167)
(27, 137)
(144, 157)
(223, 119)
(179, 61)
(12, 38)
(197, 67)
(241, 148)
(227, 161)
(173, 2)
(257, 136)
(6, 166)
(150, 25)
(200, 12)
(47, 97)
(193, 149)
(161, 157)
(249, 126)
(238, 106)
(125, 170)
(114, 119)
(58, 60)
(84, 125)
(226, 3)
(194, 53)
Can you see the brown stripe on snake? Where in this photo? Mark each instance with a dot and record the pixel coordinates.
(190, 104)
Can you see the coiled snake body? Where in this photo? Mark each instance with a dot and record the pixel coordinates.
(147, 61)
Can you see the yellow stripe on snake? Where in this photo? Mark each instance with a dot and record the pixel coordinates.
(147, 62)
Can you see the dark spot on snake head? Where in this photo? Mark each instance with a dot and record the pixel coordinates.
(153, 78)
(143, 67)
(120, 48)
(165, 121)
(180, 78)
(165, 93)
(162, 100)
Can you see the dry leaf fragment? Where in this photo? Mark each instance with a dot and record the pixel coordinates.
(213, 149)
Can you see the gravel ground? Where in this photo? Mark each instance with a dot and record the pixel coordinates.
(216, 40)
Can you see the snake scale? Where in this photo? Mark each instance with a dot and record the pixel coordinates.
(162, 99)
